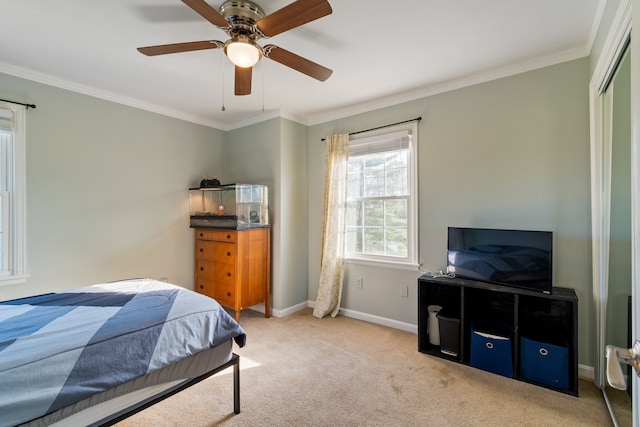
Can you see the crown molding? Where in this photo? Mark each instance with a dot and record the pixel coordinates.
(267, 115)
(435, 89)
(312, 119)
(50, 80)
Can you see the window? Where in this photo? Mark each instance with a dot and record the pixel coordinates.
(382, 196)
(12, 193)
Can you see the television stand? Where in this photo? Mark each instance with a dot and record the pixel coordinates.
(526, 335)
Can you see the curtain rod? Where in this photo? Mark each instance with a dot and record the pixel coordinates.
(417, 119)
(20, 103)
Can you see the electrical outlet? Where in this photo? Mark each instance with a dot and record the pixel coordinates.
(404, 291)
(360, 283)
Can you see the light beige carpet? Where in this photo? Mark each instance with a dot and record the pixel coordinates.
(303, 371)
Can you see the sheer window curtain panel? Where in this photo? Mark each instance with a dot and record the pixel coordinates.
(333, 227)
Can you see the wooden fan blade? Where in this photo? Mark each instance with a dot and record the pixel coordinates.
(297, 13)
(296, 62)
(243, 81)
(164, 49)
(207, 12)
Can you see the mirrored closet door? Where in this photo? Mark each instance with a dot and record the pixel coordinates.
(617, 271)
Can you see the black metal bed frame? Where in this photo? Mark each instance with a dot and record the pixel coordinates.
(234, 361)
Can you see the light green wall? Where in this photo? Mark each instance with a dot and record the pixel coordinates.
(107, 189)
(293, 216)
(107, 186)
(511, 153)
(254, 156)
(274, 153)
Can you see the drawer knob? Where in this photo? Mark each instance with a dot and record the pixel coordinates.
(228, 236)
(201, 234)
(201, 249)
(228, 294)
(229, 274)
(201, 268)
(201, 287)
(228, 253)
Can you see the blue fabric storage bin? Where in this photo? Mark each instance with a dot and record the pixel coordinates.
(491, 349)
(544, 363)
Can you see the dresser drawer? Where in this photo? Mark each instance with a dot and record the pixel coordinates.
(216, 271)
(205, 287)
(215, 251)
(225, 294)
(205, 270)
(224, 275)
(217, 235)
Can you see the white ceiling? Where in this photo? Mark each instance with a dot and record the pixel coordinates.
(381, 52)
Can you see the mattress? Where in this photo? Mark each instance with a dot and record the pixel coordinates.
(107, 405)
(59, 349)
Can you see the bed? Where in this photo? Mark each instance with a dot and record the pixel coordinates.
(95, 355)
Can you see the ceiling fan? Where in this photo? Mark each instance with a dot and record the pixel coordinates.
(245, 23)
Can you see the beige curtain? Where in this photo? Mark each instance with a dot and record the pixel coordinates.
(333, 227)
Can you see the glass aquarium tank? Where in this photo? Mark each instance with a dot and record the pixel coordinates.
(229, 206)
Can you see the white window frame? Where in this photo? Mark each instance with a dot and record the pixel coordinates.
(411, 260)
(14, 218)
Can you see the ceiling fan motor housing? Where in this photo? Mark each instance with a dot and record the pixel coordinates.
(242, 15)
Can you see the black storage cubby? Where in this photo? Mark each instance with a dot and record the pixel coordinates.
(546, 327)
(486, 305)
(542, 329)
(490, 311)
(450, 299)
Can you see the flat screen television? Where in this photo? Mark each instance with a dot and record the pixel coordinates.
(518, 258)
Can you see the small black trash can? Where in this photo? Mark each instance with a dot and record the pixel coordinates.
(449, 322)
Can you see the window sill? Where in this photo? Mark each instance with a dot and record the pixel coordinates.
(13, 280)
(401, 265)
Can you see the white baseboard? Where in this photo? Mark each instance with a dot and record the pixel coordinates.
(585, 371)
(378, 320)
(290, 310)
(281, 313)
(372, 318)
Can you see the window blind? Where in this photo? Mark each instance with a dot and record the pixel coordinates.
(380, 143)
(6, 119)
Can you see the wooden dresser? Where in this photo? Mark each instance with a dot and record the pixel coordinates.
(233, 266)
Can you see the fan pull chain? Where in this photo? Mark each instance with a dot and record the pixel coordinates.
(262, 68)
(223, 108)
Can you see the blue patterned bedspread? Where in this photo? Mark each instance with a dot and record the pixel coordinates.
(59, 348)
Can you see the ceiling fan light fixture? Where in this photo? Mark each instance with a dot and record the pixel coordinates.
(245, 24)
(243, 54)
